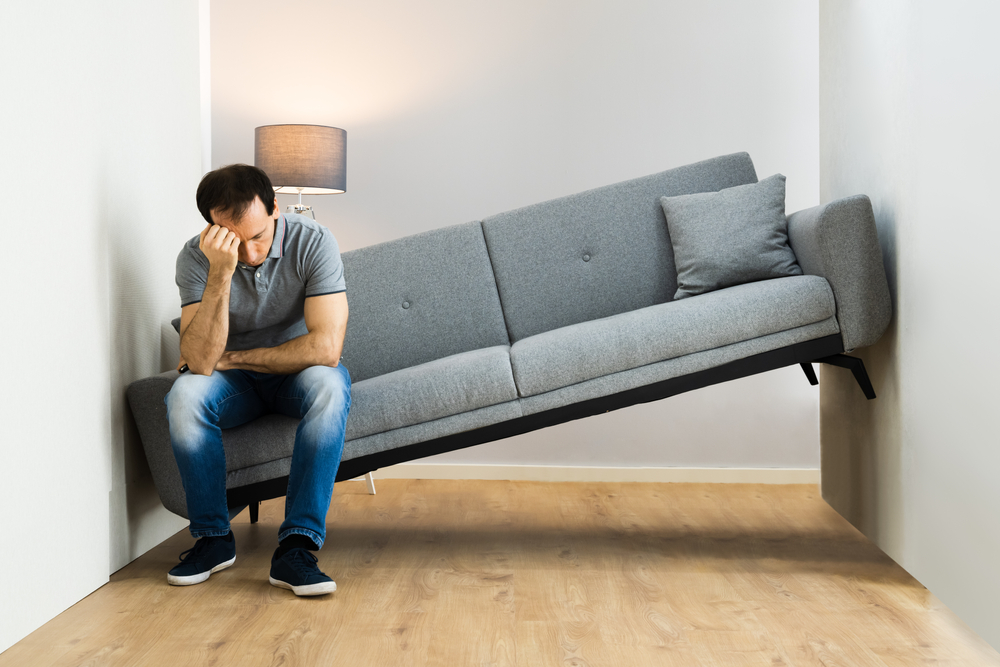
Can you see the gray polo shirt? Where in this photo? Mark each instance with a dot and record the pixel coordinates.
(266, 302)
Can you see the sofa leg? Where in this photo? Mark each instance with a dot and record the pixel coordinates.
(254, 511)
(856, 366)
(810, 374)
(371, 483)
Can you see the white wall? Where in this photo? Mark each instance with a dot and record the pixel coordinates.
(101, 157)
(910, 96)
(457, 110)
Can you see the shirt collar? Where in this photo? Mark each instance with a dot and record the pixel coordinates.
(278, 242)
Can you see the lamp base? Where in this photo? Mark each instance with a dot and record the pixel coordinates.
(301, 210)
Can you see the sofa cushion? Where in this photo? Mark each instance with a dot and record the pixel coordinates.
(430, 430)
(729, 237)
(436, 389)
(667, 369)
(420, 298)
(589, 350)
(597, 253)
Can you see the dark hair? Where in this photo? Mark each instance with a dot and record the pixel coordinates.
(231, 189)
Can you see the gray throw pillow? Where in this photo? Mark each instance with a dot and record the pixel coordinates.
(733, 236)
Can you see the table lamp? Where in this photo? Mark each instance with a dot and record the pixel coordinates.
(302, 159)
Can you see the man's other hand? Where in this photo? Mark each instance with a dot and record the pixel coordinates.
(226, 362)
(221, 246)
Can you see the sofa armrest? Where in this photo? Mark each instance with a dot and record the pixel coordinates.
(145, 397)
(839, 242)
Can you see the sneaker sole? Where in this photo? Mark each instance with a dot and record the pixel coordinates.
(310, 589)
(192, 579)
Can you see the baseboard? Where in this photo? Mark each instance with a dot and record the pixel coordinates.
(599, 474)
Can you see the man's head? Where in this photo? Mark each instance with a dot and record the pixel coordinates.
(240, 198)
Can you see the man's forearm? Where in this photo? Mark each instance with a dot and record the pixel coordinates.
(204, 340)
(313, 349)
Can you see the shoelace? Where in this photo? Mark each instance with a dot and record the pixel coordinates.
(195, 551)
(302, 561)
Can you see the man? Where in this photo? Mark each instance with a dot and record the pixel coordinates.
(263, 318)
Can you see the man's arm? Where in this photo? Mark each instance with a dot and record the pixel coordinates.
(205, 325)
(326, 320)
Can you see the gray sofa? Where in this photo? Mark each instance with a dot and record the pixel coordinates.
(552, 312)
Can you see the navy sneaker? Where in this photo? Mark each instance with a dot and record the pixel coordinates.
(297, 571)
(208, 555)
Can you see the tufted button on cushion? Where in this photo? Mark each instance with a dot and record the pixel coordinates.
(586, 258)
(454, 307)
(535, 266)
(406, 304)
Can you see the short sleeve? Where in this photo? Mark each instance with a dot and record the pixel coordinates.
(323, 268)
(192, 273)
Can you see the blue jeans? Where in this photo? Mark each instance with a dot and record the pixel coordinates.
(200, 406)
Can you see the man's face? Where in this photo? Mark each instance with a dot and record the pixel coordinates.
(255, 230)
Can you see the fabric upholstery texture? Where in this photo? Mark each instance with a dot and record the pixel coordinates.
(248, 447)
(676, 367)
(420, 298)
(839, 241)
(261, 440)
(598, 253)
(266, 471)
(733, 236)
(438, 428)
(145, 398)
(588, 350)
(436, 389)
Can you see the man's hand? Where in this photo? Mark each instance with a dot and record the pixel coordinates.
(221, 246)
(326, 319)
(226, 362)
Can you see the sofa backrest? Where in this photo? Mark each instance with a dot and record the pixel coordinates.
(420, 298)
(598, 253)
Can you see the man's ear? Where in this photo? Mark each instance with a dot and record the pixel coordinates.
(277, 211)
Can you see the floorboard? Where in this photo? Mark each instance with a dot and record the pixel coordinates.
(446, 572)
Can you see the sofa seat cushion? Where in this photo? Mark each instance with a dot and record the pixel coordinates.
(588, 350)
(433, 390)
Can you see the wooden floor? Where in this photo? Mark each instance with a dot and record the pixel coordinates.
(527, 573)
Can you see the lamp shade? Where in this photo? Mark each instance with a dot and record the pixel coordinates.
(302, 159)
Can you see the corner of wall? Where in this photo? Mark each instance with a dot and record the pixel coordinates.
(860, 446)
